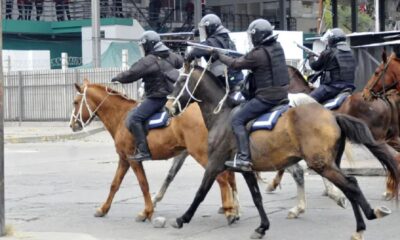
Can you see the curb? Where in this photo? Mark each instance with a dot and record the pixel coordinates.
(53, 138)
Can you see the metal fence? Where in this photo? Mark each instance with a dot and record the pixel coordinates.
(48, 95)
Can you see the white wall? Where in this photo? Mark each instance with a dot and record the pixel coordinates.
(113, 31)
(26, 60)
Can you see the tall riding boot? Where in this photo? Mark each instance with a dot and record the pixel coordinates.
(142, 150)
(242, 160)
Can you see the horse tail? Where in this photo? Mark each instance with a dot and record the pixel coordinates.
(358, 132)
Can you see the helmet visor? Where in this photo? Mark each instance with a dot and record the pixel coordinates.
(203, 33)
(250, 40)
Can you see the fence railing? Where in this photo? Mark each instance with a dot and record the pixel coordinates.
(48, 95)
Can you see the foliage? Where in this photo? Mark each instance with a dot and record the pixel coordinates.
(365, 21)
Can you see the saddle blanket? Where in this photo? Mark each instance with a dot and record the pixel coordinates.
(268, 120)
(336, 102)
(158, 120)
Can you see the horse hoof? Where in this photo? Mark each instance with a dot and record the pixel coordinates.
(270, 188)
(221, 210)
(99, 213)
(382, 211)
(231, 219)
(140, 218)
(292, 215)
(256, 235)
(357, 236)
(387, 196)
(177, 223)
(342, 202)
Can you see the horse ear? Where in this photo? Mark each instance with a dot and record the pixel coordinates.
(384, 56)
(86, 81)
(77, 87)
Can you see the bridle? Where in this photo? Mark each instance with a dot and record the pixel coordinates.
(92, 113)
(191, 93)
(380, 78)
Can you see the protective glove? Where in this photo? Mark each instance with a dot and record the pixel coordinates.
(215, 54)
(115, 80)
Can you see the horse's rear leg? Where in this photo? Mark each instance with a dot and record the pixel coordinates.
(298, 175)
(176, 166)
(350, 188)
(394, 143)
(116, 183)
(251, 181)
(148, 211)
(276, 181)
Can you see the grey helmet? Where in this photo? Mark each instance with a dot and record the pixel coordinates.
(335, 36)
(261, 31)
(211, 24)
(151, 42)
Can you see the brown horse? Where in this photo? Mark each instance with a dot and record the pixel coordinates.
(307, 132)
(186, 132)
(384, 83)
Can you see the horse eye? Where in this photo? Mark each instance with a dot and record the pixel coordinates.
(75, 103)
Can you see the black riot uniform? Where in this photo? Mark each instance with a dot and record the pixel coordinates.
(337, 65)
(159, 72)
(216, 35)
(267, 85)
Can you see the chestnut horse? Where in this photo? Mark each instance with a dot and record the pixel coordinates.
(308, 132)
(186, 132)
(384, 83)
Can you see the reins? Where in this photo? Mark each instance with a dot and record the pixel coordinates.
(191, 93)
(380, 78)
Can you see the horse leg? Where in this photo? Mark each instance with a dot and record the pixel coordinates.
(205, 186)
(176, 166)
(350, 188)
(148, 211)
(389, 194)
(334, 193)
(251, 181)
(232, 183)
(276, 181)
(298, 176)
(122, 168)
(228, 205)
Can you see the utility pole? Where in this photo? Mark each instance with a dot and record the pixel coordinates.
(354, 15)
(282, 13)
(320, 15)
(2, 218)
(197, 12)
(96, 48)
(334, 14)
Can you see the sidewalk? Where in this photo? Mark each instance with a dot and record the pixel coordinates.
(31, 132)
(49, 236)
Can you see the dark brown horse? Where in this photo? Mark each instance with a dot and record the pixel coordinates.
(307, 132)
(186, 132)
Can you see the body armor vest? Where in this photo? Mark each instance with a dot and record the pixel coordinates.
(346, 70)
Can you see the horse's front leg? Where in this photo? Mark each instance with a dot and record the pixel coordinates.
(116, 183)
(176, 166)
(209, 177)
(148, 211)
(276, 181)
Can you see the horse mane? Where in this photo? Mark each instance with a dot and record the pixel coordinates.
(114, 92)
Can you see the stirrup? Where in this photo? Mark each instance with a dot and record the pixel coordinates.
(239, 165)
(138, 157)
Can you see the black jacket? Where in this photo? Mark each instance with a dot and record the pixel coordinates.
(155, 83)
(266, 87)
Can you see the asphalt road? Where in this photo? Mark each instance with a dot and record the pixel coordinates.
(56, 187)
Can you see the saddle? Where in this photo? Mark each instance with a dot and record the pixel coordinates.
(337, 101)
(160, 119)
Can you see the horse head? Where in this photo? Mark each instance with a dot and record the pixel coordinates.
(81, 113)
(297, 84)
(385, 77)
(195, 83)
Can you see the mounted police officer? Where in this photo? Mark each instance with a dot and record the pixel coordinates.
(337, 65)
(214, 34)
(267, 84)
(158, 69)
